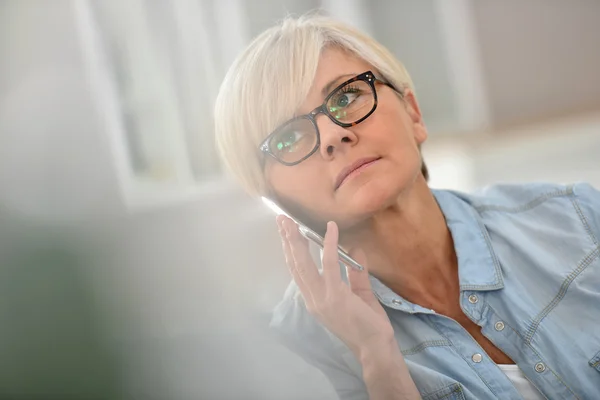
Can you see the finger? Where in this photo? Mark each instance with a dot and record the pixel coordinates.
(287, 251)
(279, 219)
(359, 280)
(290, 262)
(303, 263)
(289, 259)
(331, 264)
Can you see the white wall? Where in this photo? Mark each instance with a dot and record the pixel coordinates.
(411, 30)
(54, 156)
(540, 57)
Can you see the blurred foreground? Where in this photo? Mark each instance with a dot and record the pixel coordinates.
(131, 268)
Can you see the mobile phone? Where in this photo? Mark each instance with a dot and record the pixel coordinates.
(311, 235)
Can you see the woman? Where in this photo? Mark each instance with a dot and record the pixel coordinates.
(484, 296)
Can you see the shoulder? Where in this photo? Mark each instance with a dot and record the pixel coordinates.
(542, 203)
(294, 325)
(297, 329)
(301, 333)
(587, 200)
(515, 197)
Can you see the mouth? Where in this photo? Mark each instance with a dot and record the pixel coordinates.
(354, 169)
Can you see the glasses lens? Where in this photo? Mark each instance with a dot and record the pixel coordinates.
(351, 102)
(294, 141)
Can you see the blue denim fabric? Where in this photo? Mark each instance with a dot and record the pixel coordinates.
(529, 257)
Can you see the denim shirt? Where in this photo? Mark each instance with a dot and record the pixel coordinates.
(529, 272)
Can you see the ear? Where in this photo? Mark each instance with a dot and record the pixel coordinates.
(414, 112)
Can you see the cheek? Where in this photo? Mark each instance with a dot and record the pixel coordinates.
(392, 137)
(392, 125)
(305, 193)
(302, 182)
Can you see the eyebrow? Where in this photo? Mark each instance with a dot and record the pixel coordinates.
(327, 88)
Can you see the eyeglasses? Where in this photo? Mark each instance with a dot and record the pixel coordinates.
(347, 105)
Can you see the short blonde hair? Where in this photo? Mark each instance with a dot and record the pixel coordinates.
(270, 80)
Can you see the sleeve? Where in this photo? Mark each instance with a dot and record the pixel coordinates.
(300, 332)
(588, 198)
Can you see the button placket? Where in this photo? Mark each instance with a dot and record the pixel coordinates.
(501, 331)
(398, 303)
(473, 305)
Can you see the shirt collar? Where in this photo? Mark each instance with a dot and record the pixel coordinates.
(478, 266)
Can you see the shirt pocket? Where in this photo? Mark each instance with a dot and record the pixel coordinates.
(453, 391)
(595, 362)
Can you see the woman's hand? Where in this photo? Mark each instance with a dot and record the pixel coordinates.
(351, 312)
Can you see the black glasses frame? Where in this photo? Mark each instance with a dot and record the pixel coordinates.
(368, 77)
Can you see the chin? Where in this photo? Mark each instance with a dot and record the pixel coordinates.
(378, 189)
(371, 197)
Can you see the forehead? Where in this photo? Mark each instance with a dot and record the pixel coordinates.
(335, 67)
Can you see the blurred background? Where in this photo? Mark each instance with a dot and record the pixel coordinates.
(132, 267)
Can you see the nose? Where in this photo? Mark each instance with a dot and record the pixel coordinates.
(334, 138)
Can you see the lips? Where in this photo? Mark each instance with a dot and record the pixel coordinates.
(351, 168)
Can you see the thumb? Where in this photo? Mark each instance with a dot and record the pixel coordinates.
(359, 280)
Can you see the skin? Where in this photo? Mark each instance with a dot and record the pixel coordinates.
(387, 210)
(387, 218)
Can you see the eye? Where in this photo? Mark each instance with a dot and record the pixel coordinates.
(344, 98)
(294, 140)
(287, 140)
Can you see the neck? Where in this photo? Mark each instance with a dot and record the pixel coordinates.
(410, 249)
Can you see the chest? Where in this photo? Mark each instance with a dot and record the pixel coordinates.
(557, 349)
(453, 310)
(475, 331)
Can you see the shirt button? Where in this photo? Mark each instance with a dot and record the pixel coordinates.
(499, 326)
(473, 299)
(397, 301)
(477, 358)
(540, 367)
